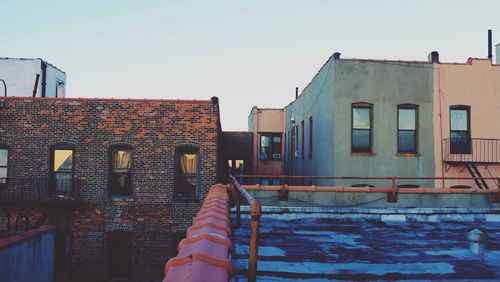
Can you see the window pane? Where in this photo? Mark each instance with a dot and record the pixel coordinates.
(460, 143)
(458, 119)
(277, 139)
(63, 160)
(3, 173)
(239, 164)
(230, 163)
(360, 140)
(264, 181)
(406, 141)
(188, 163)
(407, 119)
(361, 118)
(122, 160)
(4, 155)
(264, 141)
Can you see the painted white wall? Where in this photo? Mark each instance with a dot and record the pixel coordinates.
(20, 76)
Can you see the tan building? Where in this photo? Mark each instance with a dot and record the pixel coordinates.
(466, 122)
(267, 127)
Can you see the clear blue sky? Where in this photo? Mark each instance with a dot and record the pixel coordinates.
(245, 52)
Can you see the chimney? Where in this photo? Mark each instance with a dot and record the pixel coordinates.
(336, 56)
(434, 57)
(296, 92)
(490, 45)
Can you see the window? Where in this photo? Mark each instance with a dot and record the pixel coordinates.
(303, 140)
(61, 173)
(292, 144)
(4, 159)
(460, 137)
(295, 154)
(187, 171)
(270, 147)
(119, 250)
(310, 137)
(121, 173)
(407, 129)
(59, 89)
(270, 182)
(361, 135)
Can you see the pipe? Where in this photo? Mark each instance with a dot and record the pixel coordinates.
(44, 78)
(36, 85)
(490, 48)
(296, 92)
(5, 93)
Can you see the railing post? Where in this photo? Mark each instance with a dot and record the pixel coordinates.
(392, 197)
(254, 242)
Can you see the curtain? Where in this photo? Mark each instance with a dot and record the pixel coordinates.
(188, 163)
(122, 160)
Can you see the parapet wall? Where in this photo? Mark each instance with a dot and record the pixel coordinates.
(28, 256)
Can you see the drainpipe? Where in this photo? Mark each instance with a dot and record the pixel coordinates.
(44, 78)
(36, 85)
(441, 125)
(5, 93)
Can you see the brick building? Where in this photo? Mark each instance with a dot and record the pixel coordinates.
(120, 179)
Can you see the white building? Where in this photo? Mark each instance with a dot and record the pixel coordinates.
(32, 77)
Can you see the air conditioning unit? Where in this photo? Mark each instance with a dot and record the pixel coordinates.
(276, 156)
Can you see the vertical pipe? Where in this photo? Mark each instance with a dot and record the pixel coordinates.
(254, 244)
(490, 48)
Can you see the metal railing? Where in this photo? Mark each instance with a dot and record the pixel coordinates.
(392, 190)
(473, 150)
(255, 211)
(43, 189)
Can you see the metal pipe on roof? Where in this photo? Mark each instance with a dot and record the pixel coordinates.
(44, 78)
(490, 48)
(36, 85)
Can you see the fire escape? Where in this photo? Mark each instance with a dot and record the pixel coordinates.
(471, 153)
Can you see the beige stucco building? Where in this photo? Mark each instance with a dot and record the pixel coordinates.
(267, 127)
(466, 122)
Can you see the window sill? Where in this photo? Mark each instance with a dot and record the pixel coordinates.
(362, 154)
(186, 199)
(408, 155)
(122, 198)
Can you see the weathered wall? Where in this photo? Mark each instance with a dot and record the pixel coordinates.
(28, 256)
(316, 101)
(356, 200)
(475, 84)
(385, 85)
(154, 129)
(20, 77)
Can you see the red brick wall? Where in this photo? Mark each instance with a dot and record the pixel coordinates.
(154, 129)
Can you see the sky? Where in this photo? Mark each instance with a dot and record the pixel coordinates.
(244, 52)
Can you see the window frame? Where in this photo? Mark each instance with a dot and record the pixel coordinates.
(362, 105)
(415, 135)
(4, 183)
(302, 145)
(468, 145)
(52, 173)
(310, 137)
(130, 173)
(271, 136)
(178, 175)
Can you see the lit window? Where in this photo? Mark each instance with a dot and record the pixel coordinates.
(407, 129)
(121, 161)
(361, 135)
(270, 147)
(187, 170)
(4, 159)
(61, 173)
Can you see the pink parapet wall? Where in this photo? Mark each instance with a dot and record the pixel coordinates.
(204, 253)
(476, 85)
